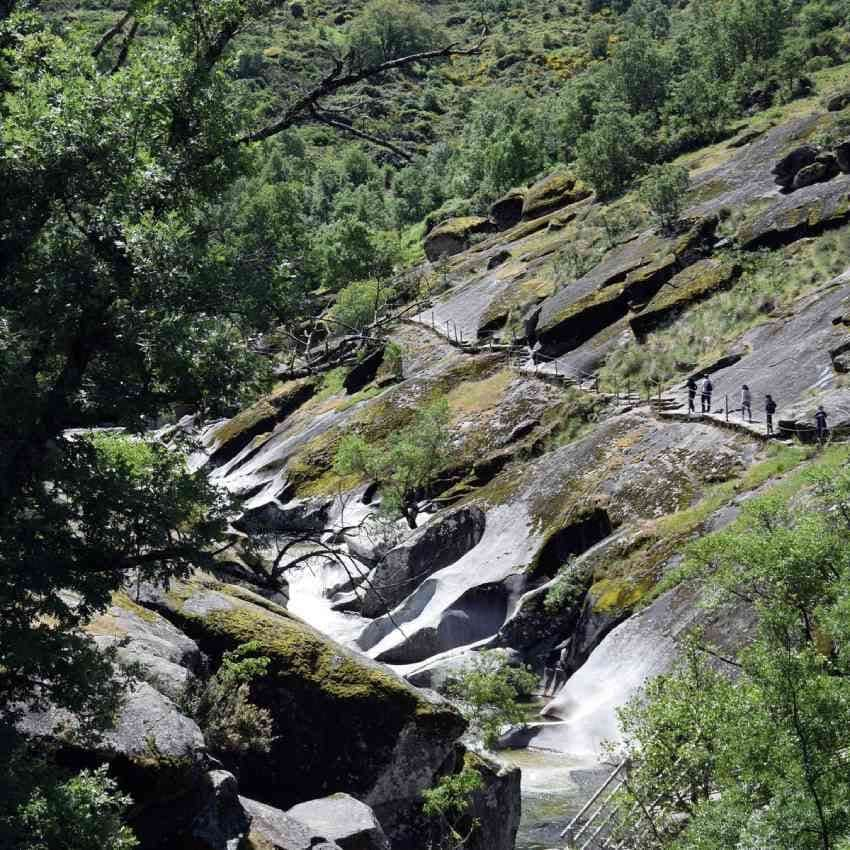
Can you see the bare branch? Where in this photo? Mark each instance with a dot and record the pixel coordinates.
(337, 80)
(125, 48)
(324, 118)
(110, 34)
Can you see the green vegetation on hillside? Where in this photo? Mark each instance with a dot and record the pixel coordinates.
(755, 759)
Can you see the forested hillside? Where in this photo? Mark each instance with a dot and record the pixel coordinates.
(348, 356)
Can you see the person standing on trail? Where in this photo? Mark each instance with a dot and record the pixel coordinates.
(820, 423)
(705, 395)
(746, 403)
(769, 410)
(692, 394)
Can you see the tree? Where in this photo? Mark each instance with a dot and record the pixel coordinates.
(123, 297)
(389, 29)
(406, 464)
(487, 692)
(663, 190)
(763, 752)
(613, 152)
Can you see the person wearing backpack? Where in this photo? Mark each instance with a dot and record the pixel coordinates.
(769, 410)
(705, 395)
(746, 403)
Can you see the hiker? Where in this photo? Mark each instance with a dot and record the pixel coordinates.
(692, 394)
(769, 409)
(820, 423)
(707, 388)
(746, 403)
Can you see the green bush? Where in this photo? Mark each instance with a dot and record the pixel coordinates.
(567, 589)
(597, 40)
(488, 691)
(359, 304)
(664, 190)
(82, 813)
(232, 723)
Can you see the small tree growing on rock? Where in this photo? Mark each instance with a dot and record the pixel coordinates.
(488, 694)
(663, 190)
(406, 464)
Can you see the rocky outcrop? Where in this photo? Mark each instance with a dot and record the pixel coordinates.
(453, 236)
(272, 829)
(225, 440)
(628, 277)
(445, 539)
(690, 286)
(340, 723)
(506, 212)
(552, 193)
(343, 819)
(615, 672)
(792, 163)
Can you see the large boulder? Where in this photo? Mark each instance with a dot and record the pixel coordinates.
(224, 440)
(272, 829)
(838, 101)
(346, 821)
(340, 721)
(793, 162)
(694, 284)
(506, 212)
(553, 192)
(453, 236)
(445, 539)
(157, 651)
(842, 156)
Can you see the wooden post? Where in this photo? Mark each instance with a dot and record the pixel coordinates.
(433, 326)
(727, 407)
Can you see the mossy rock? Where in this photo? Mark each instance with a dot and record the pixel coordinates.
(553, 192)
(453, 236)
(617, 595)
(341, 722)
(225, 441)
(695, 283)
(507, 210)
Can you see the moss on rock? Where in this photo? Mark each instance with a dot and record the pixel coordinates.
(553, 192)
(338, 719)
(696, 282)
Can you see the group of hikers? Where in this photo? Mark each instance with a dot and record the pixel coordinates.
(706, 388)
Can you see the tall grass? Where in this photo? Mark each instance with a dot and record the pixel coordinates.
(769, 285)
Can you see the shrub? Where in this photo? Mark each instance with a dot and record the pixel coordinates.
(567, 589)
(448, 802)
(359, 304)
(81, 813)
(232, 724)
(488, 692)
(597, 40)
(664, 190)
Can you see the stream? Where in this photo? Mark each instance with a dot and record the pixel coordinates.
(554, 786)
